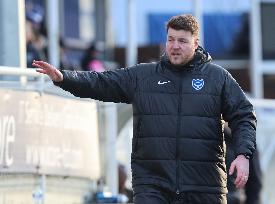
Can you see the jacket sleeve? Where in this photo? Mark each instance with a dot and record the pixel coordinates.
(109, 86)
(239, 113)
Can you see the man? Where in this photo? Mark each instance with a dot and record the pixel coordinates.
(178, 145)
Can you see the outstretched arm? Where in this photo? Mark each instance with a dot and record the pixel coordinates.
(109, 86)
(50, 70)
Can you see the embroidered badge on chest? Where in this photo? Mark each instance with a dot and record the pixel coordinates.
(197, 84)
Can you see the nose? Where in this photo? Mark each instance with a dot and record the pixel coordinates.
(175, 44)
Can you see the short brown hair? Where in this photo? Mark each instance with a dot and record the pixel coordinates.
(185, 22)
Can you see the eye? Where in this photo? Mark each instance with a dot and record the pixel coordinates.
(183, 41)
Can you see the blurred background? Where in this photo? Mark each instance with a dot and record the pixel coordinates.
(55, 148)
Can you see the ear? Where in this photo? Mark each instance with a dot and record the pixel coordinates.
(197, 42)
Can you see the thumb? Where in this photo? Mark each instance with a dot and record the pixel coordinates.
(232, 168)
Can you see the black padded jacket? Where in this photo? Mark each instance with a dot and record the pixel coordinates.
(178, 141)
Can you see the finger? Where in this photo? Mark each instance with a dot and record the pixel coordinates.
(238, 178)
(38, 65)
(242, 183)
(238, 183)
(45, 69)
(232, 168)
(41, 71)
(44, 65)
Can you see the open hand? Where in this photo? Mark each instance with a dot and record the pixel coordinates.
(50, 70)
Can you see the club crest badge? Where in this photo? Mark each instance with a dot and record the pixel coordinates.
(197, 84)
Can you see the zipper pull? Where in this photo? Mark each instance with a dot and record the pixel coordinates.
(177, 192)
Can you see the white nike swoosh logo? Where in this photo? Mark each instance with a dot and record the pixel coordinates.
(163, 82)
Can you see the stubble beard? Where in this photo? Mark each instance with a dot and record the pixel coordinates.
(180, 60)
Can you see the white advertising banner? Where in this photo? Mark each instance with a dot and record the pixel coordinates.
(48, 134)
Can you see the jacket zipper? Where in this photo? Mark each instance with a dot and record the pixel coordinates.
(177, 136)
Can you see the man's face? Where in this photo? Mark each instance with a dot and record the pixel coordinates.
(180, 46)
